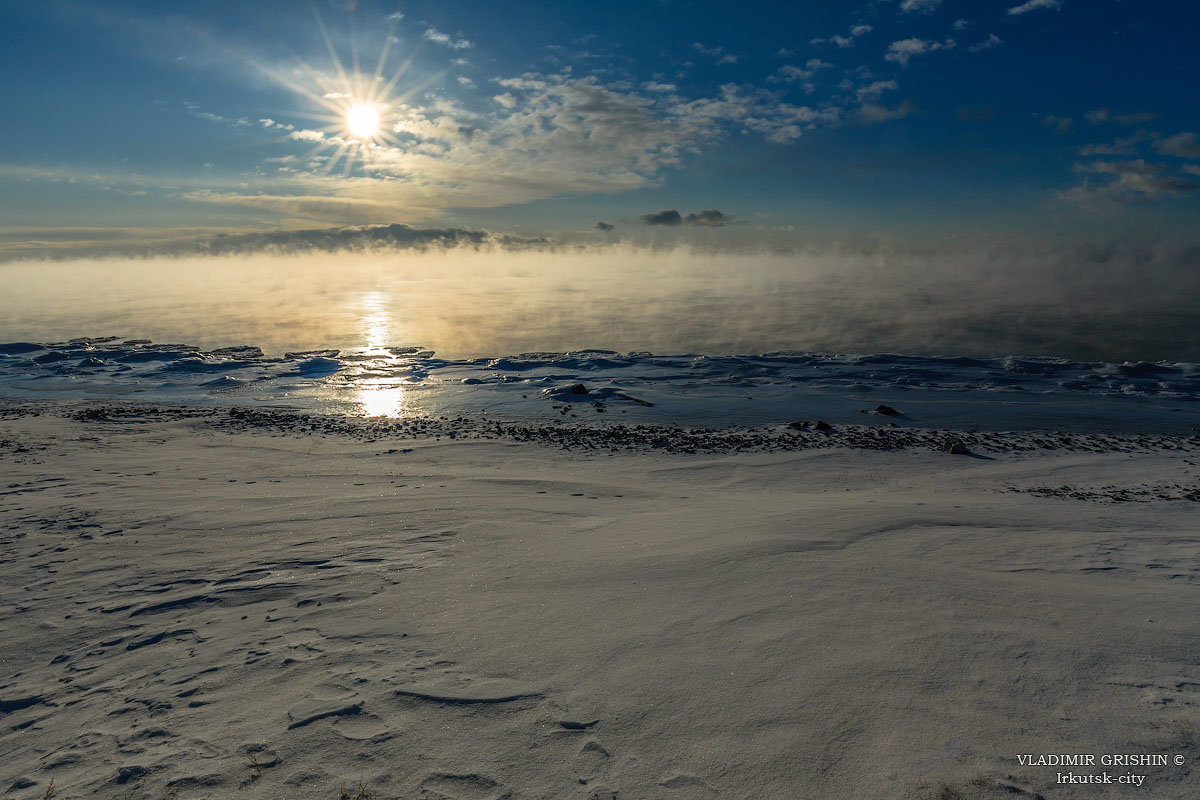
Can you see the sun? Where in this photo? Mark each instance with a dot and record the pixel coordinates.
(355, 109)
(362, 120)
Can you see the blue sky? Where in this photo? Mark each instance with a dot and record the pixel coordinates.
(931, 118)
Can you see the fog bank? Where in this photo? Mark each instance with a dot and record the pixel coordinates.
(1112, 302)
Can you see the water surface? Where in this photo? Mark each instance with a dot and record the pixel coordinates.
(470, 303)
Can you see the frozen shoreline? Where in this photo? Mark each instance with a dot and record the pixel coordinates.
(269, 603)
(693, 390)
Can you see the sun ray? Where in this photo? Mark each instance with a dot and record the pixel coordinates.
(294, 86)
(383, 54)
(326, 118)
(357, 72)
(356, 113)
(337, 154)
(315, 152)
(414, 88)
(333, 56)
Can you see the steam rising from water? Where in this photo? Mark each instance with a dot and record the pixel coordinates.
(1109, 303)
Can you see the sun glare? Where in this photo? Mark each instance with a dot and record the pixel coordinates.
(353, 107)
(362, 121)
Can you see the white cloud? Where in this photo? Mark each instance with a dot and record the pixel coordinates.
(1034, 5)
(856, 31)
(1139, 167)
(874, 114)
(194, 110)
(716, 52)
(525, 82)
(961, 24)
(541, 136)
(993, 41)
(446, 40)
(547, 136)
(873, 90)
(900, 52)
(759, 112)
(789, 73)
(439, 125)
(919, 6)
(1099, 115)
(1130, 181)
(1118, 147)
(1063, 126)
(1183, 145)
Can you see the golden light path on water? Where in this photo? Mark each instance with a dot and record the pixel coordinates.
(379, 396)
(470, 303)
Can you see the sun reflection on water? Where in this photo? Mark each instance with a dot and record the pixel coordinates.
(381, 399)
(378, 396)
(377, 322)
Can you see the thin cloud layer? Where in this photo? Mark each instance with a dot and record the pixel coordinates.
(1127, 182)
(545, 135)
(446, 40)
(1034, 5)
(1183, 145)
(1100, 115)
(855, 32)
(919, 6)
(901, 51)
(992, 42)
(91, 243)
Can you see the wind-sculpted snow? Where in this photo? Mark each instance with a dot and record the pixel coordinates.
(1011, 392)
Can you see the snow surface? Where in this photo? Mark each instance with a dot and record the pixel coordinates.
(258, 604)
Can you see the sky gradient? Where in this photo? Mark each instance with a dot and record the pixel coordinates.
(769, 123)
